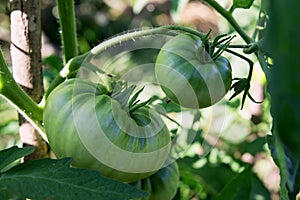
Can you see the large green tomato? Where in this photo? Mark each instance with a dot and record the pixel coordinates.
(188, 76)
(86, 123)
(162, 185)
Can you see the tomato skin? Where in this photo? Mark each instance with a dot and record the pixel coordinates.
(186, 78)
(94, 130)
(161, 185)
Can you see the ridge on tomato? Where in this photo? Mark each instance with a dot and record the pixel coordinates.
(106, 130)
(162, 185)
(188, 76)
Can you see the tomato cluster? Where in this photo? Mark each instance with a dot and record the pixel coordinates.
(98, 132)
(102, 129)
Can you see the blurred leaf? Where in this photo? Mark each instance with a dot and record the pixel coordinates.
(206, 174)
(2, 195)
(83, 45)
(11, 128)
(259, 191)
(176, 7)
(7, 116)
(52, 66)
(54, 62)
(54, 179)
(8, 119)
(243, 3)
(254, 146)
(245, 185)
(7, 156)
(7, 113)
(138, 5)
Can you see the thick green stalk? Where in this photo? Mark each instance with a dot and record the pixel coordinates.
(13, 93)
(68, 28)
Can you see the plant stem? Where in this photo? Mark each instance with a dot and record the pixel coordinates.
(144, 32)
(13, 93)
(246, 59)
(228, 16)
(68, 28)
(25, 50)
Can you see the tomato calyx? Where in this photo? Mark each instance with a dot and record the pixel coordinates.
(221, 42)
(242, 85)
(134, 104)
(210, 51)
(121, 92)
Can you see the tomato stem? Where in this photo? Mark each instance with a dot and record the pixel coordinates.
(228, 16)
(144, 32)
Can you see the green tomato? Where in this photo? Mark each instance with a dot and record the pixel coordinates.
(161, 185)
(82, 121)
(188, 77)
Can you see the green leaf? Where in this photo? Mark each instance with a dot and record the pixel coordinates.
(246, 4)
(8, 156)
(2, 194)
(284, 88)
(206, 175)
(54, 179)
(279, 157)
(176, 7)
(254, 147)
(245, 185)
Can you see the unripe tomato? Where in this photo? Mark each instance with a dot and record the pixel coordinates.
(162, 185)
(188, 76)
(86, 123)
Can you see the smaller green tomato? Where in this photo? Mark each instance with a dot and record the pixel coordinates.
(188, 77)
(162, 185)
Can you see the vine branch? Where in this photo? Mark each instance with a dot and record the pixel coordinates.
(228, 16)
(13, 93)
